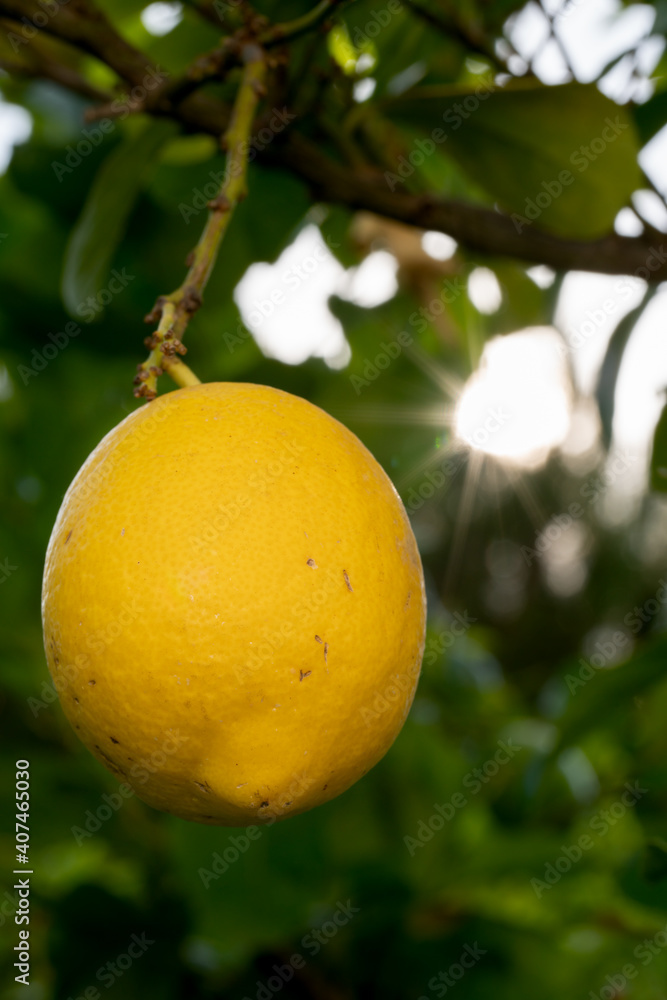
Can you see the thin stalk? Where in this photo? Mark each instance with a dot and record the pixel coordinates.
(174, 310)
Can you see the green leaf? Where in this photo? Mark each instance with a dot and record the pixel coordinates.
(655, 860)
(611, 365)
(660, 23)
(185, 150)
(104, 217)
(650, 116)
(523, 303)
(606, 691)
(659, 455)
(518, 141)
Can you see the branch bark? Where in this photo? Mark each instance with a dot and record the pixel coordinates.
(481, 229)
(84, 26)
(87, 29)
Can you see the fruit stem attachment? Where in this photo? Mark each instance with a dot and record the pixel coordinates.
(174, 310)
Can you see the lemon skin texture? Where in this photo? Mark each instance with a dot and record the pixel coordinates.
(233, 605)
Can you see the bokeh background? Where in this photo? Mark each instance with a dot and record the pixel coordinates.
(517, 417)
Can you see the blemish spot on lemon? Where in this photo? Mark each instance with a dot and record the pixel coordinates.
(230, 491)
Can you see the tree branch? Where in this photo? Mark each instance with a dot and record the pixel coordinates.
(81, 25)
(481, 229)
(213, 65)
(41, 67)
(87, 28)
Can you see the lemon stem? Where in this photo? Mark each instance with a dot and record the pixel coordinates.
(174, 310)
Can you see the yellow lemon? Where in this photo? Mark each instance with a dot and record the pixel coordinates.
(233, 605)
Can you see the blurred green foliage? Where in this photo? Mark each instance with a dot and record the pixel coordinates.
(495, 870)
